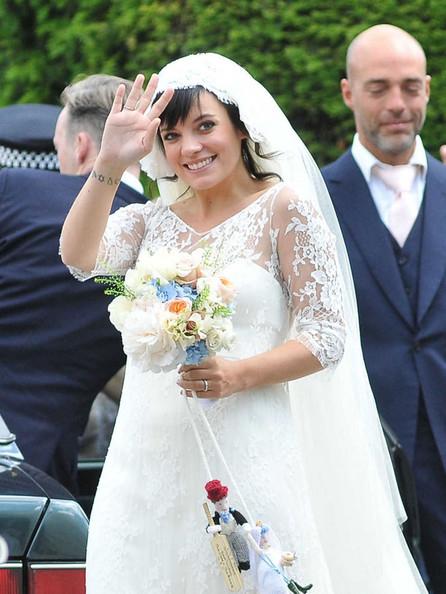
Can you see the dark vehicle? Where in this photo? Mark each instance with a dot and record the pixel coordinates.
(406, 486)
(45, 529)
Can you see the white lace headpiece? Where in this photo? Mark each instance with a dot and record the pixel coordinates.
(263, 118)
(335, 413)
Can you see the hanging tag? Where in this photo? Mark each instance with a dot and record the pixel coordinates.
(225, 557)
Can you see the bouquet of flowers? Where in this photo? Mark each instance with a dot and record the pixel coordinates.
(172, 308)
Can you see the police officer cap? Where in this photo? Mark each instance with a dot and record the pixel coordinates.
(28, 126)
(26, 136)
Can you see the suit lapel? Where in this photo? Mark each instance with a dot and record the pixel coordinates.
(130, 196)
(354, 205)
(433, 248)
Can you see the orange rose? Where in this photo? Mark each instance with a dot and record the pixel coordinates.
(227, 289)
(178, 306)
(226, 282)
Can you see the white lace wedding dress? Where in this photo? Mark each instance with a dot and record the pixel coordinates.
(147, 533)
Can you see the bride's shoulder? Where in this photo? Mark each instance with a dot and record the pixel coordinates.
(283, 197)
(282, 193)
(287, 205)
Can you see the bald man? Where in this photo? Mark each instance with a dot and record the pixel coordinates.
(390, 197)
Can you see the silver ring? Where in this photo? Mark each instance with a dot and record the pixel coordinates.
(129, 108)
(205, 385)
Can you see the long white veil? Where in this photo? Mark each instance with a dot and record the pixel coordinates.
(354, 494)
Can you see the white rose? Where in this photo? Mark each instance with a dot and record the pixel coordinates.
(134, 280)
(145, 339)
(219, 335)
(119, 309)
(147, 301)
(164, 265)
(144, 263)
(161, 265)
(187, 263)
(186, 341)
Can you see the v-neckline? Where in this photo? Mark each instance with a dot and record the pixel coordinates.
(202, 233)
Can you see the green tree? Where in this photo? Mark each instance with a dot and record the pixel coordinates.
(296, 48)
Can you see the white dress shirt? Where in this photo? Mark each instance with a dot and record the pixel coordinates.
(381, 194)
(132, 181)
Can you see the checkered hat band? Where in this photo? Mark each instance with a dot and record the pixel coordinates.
(10, 157)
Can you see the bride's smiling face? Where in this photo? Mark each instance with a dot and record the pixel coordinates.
(204, 148)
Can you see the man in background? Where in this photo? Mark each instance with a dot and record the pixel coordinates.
(390, 197)
(58, 347)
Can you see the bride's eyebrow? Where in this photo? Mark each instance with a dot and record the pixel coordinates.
(202, 116)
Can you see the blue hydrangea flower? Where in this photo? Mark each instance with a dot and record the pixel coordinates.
(185, 291)
(165, 292)
(196, 352)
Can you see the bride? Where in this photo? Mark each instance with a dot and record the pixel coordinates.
(290, 405)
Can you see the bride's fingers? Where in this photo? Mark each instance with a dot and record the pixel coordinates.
(149, 137)
(199, 391)
(160, 105)
(190, 394)
(194, 374)
(135, 93)
(117, 101)
(204, 364)
(196, 385)
(146, 97)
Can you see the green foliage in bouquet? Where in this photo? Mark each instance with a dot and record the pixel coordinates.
(200, 303)
(114, 286)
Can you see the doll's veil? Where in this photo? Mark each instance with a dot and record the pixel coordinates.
(354, 495)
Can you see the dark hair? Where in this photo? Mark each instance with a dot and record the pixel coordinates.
(178, 109)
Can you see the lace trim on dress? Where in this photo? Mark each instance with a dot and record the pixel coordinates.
(313, 286)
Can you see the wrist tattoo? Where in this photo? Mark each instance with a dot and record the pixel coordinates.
(103, 179)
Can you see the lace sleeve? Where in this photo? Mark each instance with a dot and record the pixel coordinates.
(120, 243)
(305, 250)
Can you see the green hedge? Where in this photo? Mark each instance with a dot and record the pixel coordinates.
(296, 48)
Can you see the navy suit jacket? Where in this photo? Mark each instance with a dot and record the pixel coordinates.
(57, 345)
(405, 353)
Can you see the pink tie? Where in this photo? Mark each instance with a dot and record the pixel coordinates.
(404, 208)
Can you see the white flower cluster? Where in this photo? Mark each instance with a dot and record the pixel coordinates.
(173, 309)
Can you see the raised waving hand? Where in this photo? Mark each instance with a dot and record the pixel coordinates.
(129, 134)
(131, 128)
